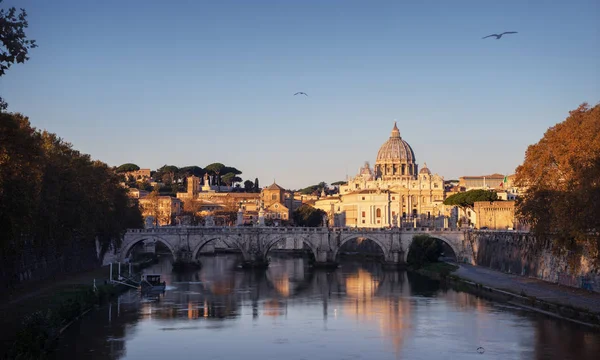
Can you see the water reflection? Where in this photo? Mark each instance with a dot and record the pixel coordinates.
(289, 311)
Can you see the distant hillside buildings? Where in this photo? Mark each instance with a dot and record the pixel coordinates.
(395, 192)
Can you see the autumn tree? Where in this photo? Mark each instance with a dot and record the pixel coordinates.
(560, 179)
(14, 45)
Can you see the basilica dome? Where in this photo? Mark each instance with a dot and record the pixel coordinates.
(395, 150)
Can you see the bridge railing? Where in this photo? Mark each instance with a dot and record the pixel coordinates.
(276, 229)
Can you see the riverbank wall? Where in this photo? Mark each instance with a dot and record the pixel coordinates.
(517, 253)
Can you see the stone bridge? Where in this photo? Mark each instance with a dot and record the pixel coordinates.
(255, 242)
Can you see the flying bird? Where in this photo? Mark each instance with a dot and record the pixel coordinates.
(498, 36)
(300, 93)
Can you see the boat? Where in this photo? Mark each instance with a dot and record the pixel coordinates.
(151, 282)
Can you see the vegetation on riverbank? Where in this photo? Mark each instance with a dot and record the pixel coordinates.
(52, 214)
(41, 328)
(561, 188)
(422, 251)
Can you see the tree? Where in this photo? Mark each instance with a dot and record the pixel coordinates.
(248, 185)
(230, 169)
(468, 198)
(57, 209)
(310, 190)
(167, 174)
(215, 170)
(256, 185)
(228, 178)
(561, 181)
(14, 47)
(191, 170)
(338, 183)
(309, 216)
(127, 168)
(423, 249)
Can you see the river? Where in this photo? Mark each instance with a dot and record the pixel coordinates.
(358, 311)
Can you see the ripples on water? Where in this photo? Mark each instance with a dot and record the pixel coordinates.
(290, 312)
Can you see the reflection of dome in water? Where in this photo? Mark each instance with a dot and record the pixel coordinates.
(361, 285)
(391, 316)
(274, 307)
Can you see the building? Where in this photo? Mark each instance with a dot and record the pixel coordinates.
(494, 215)
(138, 175)
(395, 190)
(279, 204)
(137, 193)
(160, 210)
(491, 182)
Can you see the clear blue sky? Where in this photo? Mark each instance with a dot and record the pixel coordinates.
(195, 82)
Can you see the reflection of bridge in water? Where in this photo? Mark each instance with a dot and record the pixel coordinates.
(217, 290)
(254, 244)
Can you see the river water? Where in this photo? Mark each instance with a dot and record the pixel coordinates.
(358, 311)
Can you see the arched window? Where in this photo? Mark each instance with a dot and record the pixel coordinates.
(378, 213)
(274, 197)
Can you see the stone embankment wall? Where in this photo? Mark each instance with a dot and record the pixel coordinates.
(515, 253)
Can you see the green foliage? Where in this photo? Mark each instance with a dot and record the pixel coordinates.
(230, 169)
(256, 185)
(14, 47)
(63, 198)
(228, 178)
(442, 268)
(338, 183)
(423, 249)
(191, 170)
(309, 190)
(214, 168)
(167, 174)
(248, 185)
(41, 328)
(314, 189)
(127, 167)
(468, 198)
(308, 216)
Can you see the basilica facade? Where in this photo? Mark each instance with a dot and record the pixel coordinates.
(395, 191)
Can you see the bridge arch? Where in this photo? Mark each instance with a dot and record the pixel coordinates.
(207, 241)
(127, 247)
(304, 238)
(447, 241)
(345, 239)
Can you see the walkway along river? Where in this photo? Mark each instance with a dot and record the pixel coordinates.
(358, 311)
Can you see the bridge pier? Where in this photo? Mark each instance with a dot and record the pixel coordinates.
(325, 259)
(395, 260)
(255, 260)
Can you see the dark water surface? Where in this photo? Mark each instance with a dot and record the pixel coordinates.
(288, 312)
